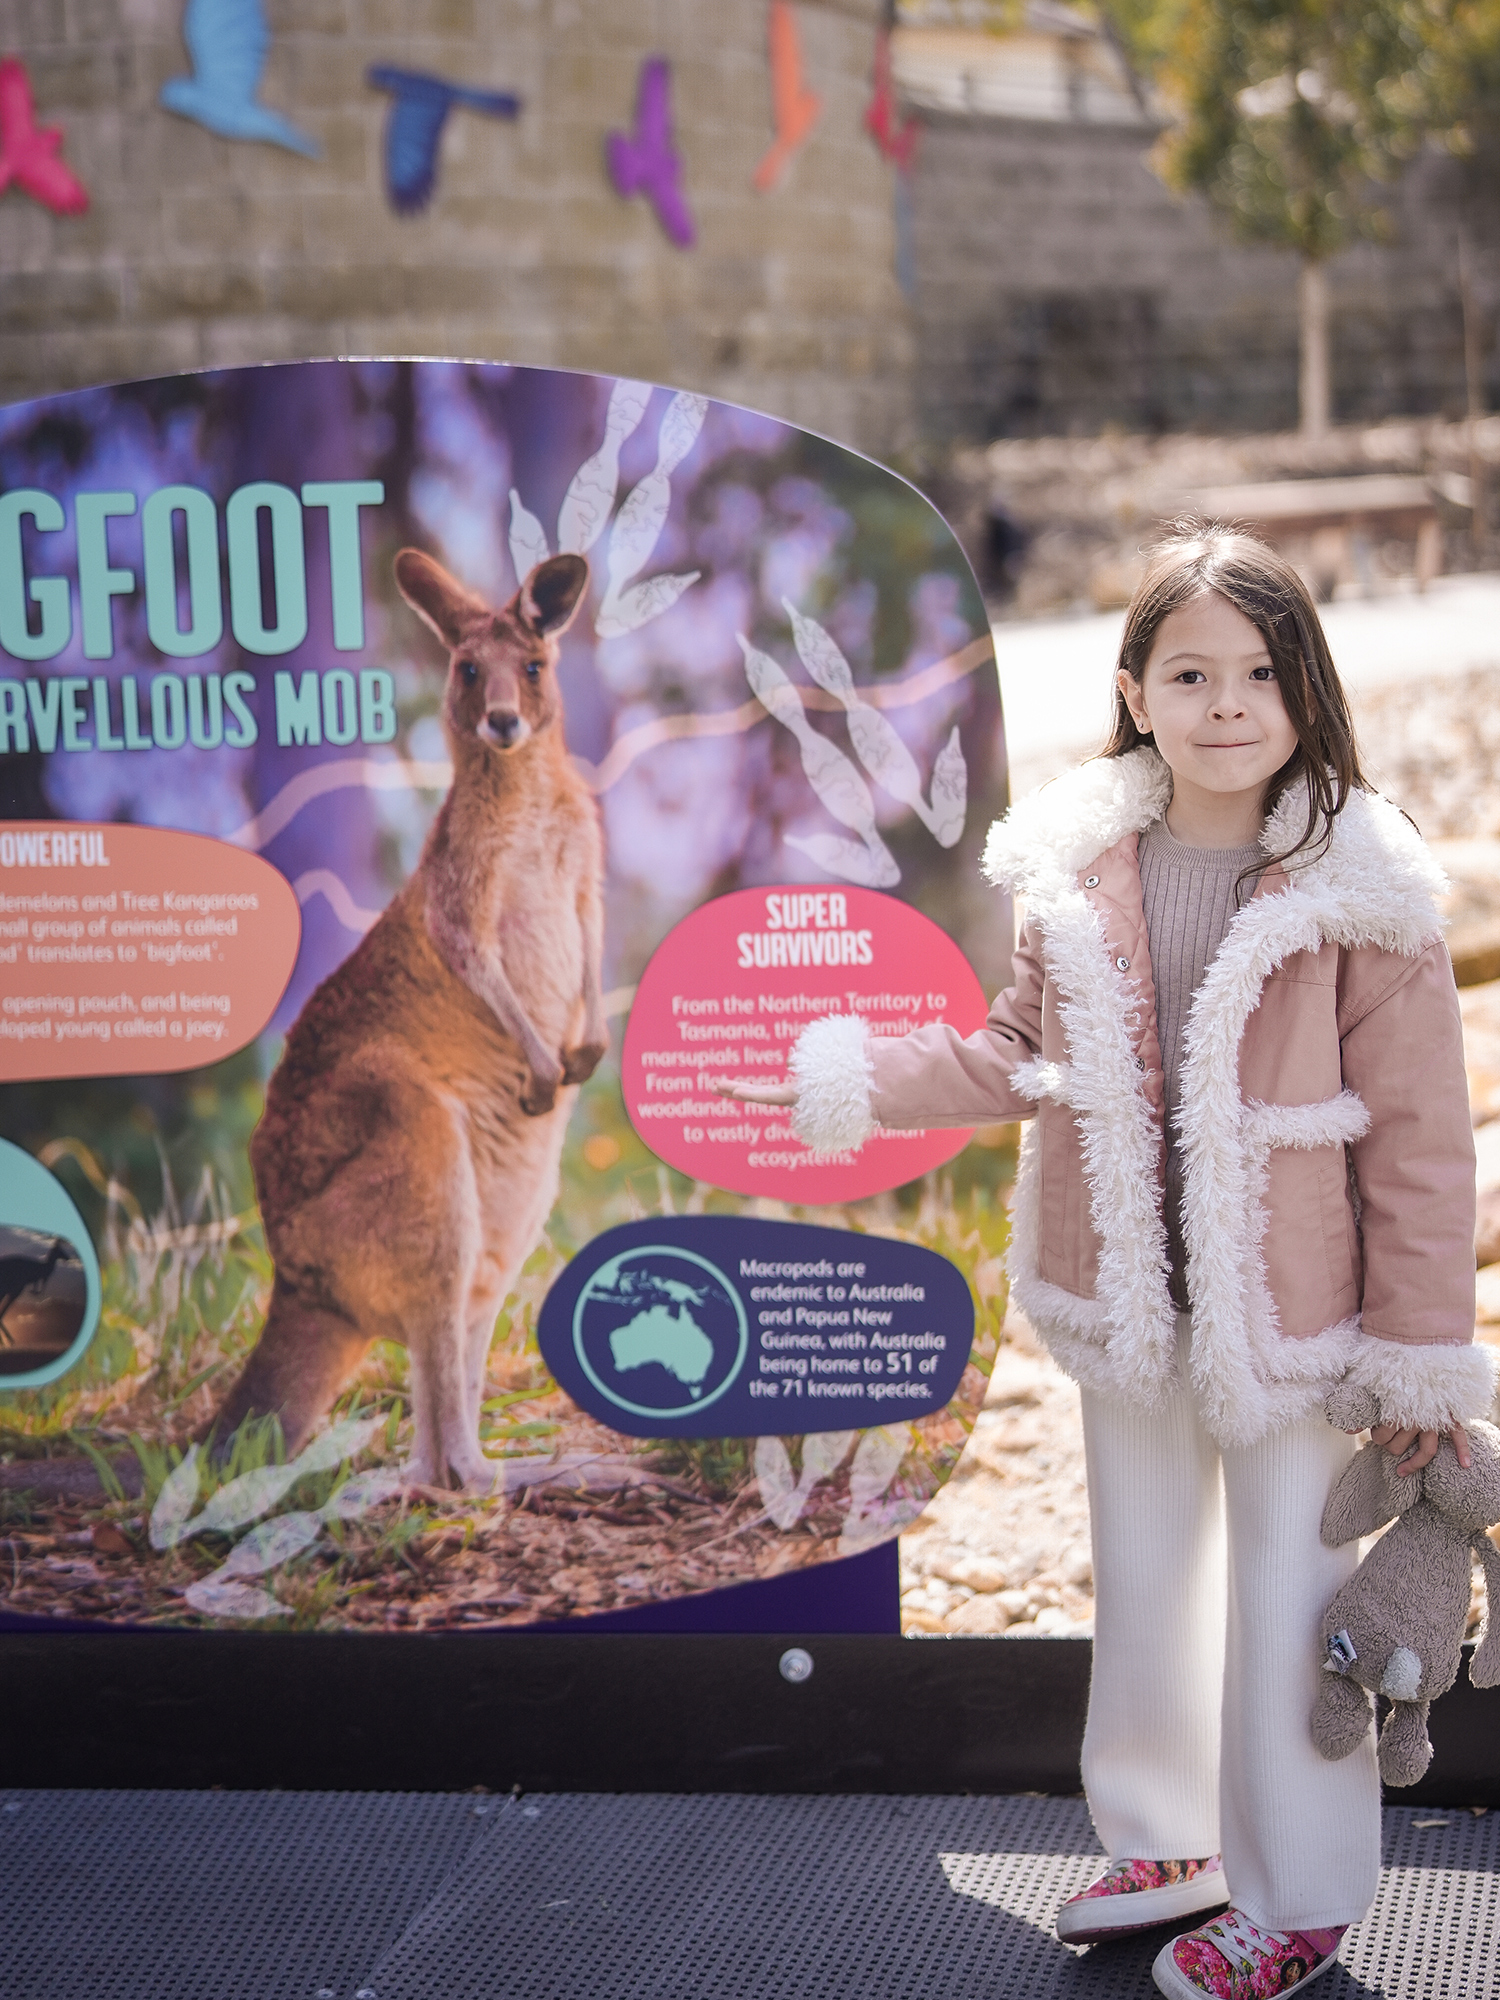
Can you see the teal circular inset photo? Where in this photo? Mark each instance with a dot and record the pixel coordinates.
(49, 1274)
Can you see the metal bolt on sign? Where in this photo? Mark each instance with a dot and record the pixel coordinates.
(796, 1665)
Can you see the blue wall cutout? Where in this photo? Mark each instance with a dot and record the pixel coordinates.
(414, 125)
(227, 41)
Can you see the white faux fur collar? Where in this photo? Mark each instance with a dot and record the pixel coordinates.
(1377, 884)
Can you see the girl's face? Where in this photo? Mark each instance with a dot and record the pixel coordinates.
(1209, 696)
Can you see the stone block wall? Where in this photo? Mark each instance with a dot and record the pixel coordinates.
(1061, 287)
(199, 251)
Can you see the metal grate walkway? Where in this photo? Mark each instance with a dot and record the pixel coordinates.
(372, 1896)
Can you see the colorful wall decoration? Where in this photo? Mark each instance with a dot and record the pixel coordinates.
(895, 136)
(29, 152)
(646, 160)
(414, 128)
(227, 41)
(795, 108)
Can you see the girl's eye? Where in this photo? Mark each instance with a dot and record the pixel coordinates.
(1263, 673)
(1190, 676)
(534, 669)
(468, 672)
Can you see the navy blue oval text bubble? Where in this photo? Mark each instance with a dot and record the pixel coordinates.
(721, 1326)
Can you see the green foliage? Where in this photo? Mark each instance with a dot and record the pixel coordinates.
(720, 1466)
(1294, 109)
(1459, 78)
(1147, 30)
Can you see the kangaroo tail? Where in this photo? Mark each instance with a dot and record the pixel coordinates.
(305, 1355)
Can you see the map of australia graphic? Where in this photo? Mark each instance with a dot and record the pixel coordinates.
(674, 1340)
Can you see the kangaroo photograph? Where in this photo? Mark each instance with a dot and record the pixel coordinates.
(599, 654)
(409, 1151)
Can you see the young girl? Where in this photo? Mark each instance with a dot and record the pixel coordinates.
(1249, 1175)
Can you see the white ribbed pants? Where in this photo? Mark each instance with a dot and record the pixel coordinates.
(1209, 1584)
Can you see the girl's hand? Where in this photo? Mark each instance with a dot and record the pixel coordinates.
(758, 1093)
(1417, 1448)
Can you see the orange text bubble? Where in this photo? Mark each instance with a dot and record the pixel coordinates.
(130, 950)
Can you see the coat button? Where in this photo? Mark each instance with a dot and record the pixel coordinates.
(1123, 964)
(1091, 881)
(1140, 1063)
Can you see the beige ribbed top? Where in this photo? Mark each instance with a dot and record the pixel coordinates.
(1190, 897)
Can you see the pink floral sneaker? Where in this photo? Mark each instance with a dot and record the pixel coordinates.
(1233, 1960)
(1138, 1895)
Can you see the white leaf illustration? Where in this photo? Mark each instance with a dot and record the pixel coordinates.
(872, 1517)
(872, 867)
(823, 1454)
(271, 1544)
(785, 1495)
(639, 523)
(230, 1600)
(244, 1499)
(641, 603)
(345, 1439)
(875, 1464)
(175, 1501)
(255, 1493)
(528, 538)
(880, 747)
(779, 1491)
(357, 1495)
(585, 510)
(832, 776)
(950, 792)
(265, 1547)
(680, 428)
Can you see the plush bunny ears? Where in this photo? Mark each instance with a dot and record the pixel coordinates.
(1352, 1407)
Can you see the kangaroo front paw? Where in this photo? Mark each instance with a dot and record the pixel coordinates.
(540, 1094)
(579, 1064)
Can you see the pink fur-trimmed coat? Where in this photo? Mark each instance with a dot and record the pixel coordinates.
(1328, 1158)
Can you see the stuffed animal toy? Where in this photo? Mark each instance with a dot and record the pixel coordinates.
(1397, 1626)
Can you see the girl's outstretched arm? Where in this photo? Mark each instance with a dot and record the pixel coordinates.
(759, 1093)
(845, 1082)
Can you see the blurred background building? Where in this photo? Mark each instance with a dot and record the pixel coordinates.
(199, 250)
(990, 251)
(1060, 285)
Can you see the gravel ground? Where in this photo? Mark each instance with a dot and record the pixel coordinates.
(1005, 1544)
(1082, 508)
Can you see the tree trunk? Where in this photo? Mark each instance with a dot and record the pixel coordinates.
(1313, 394)
(1474, 388)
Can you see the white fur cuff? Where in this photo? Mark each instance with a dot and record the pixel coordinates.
(1426, 1387)
(831, 1068)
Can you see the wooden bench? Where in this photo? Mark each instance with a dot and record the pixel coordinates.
(1325, 526)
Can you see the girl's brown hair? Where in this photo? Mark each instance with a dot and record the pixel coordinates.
(1197, 558)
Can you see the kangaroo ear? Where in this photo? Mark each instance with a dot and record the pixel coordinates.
(551, 595)
(441, 603)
